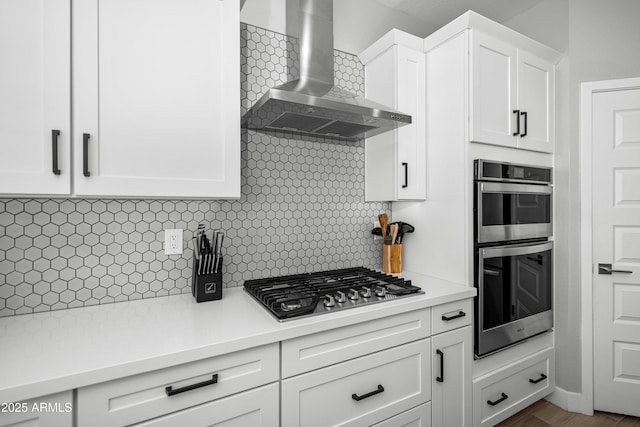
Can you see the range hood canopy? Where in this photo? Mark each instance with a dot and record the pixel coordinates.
(312, 104)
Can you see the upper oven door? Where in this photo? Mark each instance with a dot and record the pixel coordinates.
(507, 211)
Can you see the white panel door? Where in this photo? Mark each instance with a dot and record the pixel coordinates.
(35, 48)
(493, 91)
(616, 241)
(451, 392)
(157, 98)
(536, 88)
(411, 144)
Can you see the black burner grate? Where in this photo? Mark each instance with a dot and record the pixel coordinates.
(300, 294)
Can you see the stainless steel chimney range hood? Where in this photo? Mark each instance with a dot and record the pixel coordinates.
(312, 104)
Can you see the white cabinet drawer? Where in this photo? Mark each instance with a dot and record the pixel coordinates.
(336, 345)
(360, 392)
(453, 315)
(500, 394)
(416, 417)
(141, 397)
(254, 408)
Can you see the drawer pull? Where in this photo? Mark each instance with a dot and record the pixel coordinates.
(170, 391)
(495, 402)
(455, 316)
(440, 379)
(371, 393)
(542, 378)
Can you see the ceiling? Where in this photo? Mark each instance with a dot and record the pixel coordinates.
(437, 13)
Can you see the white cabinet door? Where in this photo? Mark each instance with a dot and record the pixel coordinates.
(34, 97)
(512, 96)
(451, 391)
(395, 161)
(536, 88)
(156, 98)
(411, 178)
(55, 410)
(493, 91)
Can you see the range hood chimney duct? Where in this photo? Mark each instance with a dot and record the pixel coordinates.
(312, 104)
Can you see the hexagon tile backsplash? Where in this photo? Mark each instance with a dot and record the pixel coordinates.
(302, 209)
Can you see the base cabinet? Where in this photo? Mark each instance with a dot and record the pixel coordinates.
(502, 393)
(55, 410)
(451, 378)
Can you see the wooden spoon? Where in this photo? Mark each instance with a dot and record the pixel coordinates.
(383, 219)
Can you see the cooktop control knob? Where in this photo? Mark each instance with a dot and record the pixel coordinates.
(329, 301)
(380, 291)
(341, 297)
(353, 294)
(365, 292)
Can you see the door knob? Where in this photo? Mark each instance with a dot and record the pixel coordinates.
(606, 269)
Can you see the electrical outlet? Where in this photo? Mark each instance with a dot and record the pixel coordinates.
(376, 238)
(173, 241)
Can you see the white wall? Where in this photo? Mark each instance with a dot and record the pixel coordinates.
(600, 39)
(357, 23)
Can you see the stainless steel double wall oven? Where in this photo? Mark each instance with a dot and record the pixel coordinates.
(513, 254)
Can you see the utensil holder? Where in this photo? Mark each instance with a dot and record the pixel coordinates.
(206, 287)
(392, 258)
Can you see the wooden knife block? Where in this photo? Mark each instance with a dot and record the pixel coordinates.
(392, 258)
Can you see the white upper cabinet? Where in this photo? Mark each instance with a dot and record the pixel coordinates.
(536, 87)
(395, 161)
(34, 97)
(156, 98)
(512, 95)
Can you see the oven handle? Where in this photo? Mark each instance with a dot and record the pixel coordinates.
(514, 250)
(500, 187)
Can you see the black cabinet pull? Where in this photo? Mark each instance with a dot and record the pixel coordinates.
(542, 378)
(517, 113)
(495, 402)
(371, 393)
(406, 174)
(170, 391)
(524, 113)
(55, 133)
(455, 316)
(440, 379)
(85, 154)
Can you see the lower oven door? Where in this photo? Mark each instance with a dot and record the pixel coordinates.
(515, 291)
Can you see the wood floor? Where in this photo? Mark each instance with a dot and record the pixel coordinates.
(545, 414)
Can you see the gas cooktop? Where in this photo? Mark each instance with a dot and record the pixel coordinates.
(302, 295)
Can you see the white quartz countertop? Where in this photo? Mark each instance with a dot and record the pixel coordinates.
(49, 352)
